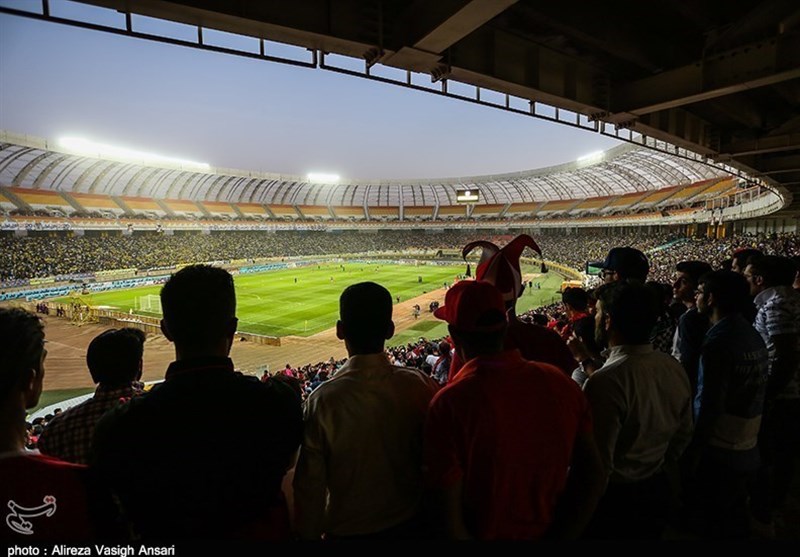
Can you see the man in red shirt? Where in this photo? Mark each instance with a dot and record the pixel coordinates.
(509, 452)
(500, 267)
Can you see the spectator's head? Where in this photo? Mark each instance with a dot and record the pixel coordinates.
(768, 271)
(292, 382)
(796, 283)
(114, 357)
(21, 361)
(727, 264)
(689, 273)
(476, 315)
(623, 263)
(722, 293)
(539, 319)
(626, 313)
(365, 318)
(199, 306)
(500, 266)
(741, 257)
(576, 300)
(444, 348)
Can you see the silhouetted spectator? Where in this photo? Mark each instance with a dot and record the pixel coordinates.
(43, 498)
(177, 456)
(114, 358)
(641, 405)
(359, 474)
(500, 267)
(508, 445)
(727, 408)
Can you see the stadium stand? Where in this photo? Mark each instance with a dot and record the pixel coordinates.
(315, 212)
(141, 205)
(656, 196)
(185, 208)
(488, 211)
(349, 212)
(283, 211)
(252, 209)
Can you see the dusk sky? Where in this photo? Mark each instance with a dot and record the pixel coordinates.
(229, 111)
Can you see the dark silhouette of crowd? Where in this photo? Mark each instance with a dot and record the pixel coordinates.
(665, 401)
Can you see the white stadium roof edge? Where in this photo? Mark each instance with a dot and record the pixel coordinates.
(34, 163)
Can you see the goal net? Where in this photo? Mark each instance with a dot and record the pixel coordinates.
(150, 303)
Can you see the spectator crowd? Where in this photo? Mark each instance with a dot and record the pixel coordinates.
(668, 397)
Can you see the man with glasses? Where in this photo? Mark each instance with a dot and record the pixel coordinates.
(623, 263)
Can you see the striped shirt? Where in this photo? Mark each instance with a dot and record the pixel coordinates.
(779, 314)
(68, 436)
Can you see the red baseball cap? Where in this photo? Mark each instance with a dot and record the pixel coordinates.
(473, 306)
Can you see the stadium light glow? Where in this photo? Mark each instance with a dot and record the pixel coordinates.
(80, 146)
(591, 157)
(320, 178)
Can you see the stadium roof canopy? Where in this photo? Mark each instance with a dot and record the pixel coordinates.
(718, 78)
(29, 163)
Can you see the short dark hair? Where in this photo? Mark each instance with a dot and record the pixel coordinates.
(22, 338)
(633, 309)
(575, 297)
(365, 310)
(539, 319)
(774, 269)
(742, 256)
(662, 293)
(731, 291)
(113, 356)
(198, 303)
(694, 270)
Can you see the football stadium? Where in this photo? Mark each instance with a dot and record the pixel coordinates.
(631, 313)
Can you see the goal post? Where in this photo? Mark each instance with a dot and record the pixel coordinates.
(150, 303)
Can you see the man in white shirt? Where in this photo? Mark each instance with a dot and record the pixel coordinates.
(642, 411)
(359, 474)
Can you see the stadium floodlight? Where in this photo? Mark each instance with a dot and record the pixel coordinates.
(591, 158)
(80, 146)
(320, 178)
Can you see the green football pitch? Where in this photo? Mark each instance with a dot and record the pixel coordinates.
(272, 303)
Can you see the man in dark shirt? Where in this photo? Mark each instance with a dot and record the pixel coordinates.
(728, 406)
(203, 454)
(692, 325)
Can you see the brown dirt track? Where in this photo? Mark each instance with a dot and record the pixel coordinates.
(67, 343)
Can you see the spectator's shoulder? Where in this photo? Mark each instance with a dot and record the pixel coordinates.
(125, 414)
(556, 376)
(609, 374)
